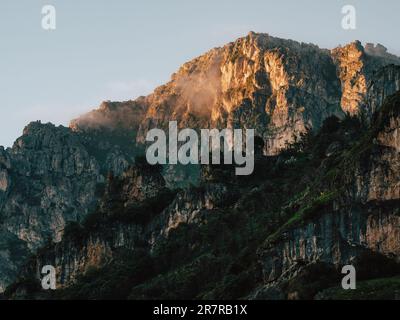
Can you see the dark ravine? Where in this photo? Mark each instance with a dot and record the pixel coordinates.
(83, 200)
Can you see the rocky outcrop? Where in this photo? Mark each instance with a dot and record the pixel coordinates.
(51, 179)
(136, 184)
(89, 248)
(352, 76)
(336, 238)
(192, 206)
(258, 82)
(377, 175)
(362, 89)
(52, 176)
(384, 82)
(86, 246)
(73, 257)
(279, 87)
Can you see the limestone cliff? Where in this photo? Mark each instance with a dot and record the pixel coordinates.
(279, 87)
(49, 177)
(357, 66)
(363, 220)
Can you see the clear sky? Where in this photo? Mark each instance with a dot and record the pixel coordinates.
(120, 49)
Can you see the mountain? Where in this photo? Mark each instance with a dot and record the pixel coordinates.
(279, 87)
(324, 192)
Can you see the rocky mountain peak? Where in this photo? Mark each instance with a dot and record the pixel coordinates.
(356, 67)
(381, 51)
(279, 87)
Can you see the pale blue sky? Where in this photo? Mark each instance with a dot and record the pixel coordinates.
(117, 50)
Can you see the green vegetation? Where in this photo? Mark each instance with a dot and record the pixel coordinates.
(27, 287)
(376, 289)
(113, 281)
(306, 212)
(100, 222)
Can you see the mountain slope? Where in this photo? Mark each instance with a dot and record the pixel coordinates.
(54, 177)
(283, 233)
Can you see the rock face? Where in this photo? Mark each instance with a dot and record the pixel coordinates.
(190, 206)
(53, 180)
(279, 87)
(77, 254)
(138, 186)
(377, 177)
(336, 238)
(49, 177)
(355, 68)
(54, 175)
(73, 258)
(256, 82)
(385, 82)
(364, 220)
